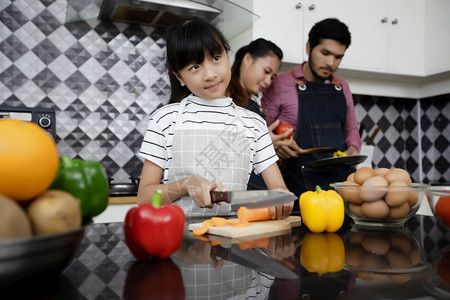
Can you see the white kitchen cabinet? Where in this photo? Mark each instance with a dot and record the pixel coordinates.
(404, 37)
(287, 22)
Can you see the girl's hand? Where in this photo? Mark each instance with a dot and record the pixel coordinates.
(199, 189)
(282, 211)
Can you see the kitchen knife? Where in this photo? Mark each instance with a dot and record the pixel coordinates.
(252, 199)
(253, 259)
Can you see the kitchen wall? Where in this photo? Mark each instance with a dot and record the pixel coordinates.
(104, 79)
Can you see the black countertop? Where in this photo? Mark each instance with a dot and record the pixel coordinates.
(104, 268)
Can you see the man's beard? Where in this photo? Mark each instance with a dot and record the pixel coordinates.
(314, 73)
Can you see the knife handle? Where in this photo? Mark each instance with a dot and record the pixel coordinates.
(217, 196)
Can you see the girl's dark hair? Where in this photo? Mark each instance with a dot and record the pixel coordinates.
(330, 28)
(187, 40)
(257, 49)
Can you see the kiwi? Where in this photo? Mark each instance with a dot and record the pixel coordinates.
(14, 222)
(54, 212)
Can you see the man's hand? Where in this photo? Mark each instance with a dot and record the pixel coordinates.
(351, 151)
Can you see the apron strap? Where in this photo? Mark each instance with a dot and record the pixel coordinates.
(302, 86)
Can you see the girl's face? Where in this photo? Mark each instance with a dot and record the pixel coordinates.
(208, 79)
(257, 74)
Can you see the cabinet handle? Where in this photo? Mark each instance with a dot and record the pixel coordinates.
(395, 21)
(384, 20)
(298, 5)
(312, 7)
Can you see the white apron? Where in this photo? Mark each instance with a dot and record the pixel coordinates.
(212, 154)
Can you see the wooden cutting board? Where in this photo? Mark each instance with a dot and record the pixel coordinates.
(254, 229)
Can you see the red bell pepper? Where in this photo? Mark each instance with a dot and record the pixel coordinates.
(154, 231)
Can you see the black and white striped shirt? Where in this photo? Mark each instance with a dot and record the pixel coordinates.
(217, 114)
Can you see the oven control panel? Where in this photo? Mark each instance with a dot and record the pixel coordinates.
(44, 117)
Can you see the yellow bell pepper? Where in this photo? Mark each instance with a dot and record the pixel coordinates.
(339, 153)
(322, 252)
(322, 210)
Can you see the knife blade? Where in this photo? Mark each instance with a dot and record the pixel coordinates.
(254, 260)
(252, 199)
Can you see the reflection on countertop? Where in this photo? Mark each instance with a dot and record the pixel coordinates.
(105, 268)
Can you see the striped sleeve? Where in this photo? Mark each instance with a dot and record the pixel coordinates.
(156, 143)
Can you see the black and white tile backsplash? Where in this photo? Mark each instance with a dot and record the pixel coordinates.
(104, 79)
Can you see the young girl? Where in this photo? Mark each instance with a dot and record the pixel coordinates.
(205, 142)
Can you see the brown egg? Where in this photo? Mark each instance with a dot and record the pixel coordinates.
(353, 255)
(398, 260)
(374, 262)
(400, 241)
(351, 177)
(376, 244)
(356, 238)
(399, 212)
(400, 278)
(415, 255)
(413, 198)
(356, 210)
(397, 194)
(350, 192)
(365, 276)
(375, 210)
(381, 171)
(397, 174)
(374, 188)
(362, 174)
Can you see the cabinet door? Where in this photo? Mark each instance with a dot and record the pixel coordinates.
(368, 25)
(405, 40)
(282, 23)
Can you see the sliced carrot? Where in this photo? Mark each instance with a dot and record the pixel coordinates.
(200, 231)
(258, 243)
(233, 221)
(240, 224)
(218, 221)
(257, 214)
(215, 243)
(208, 223)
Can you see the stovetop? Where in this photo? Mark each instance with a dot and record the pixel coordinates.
(122, 189)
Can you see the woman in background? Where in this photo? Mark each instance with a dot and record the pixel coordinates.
(254, 68)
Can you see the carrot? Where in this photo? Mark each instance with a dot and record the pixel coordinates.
(257, 214)
(218, 221)
(215, 243)
(258, 243)
(240, 224)
(233, 221)
(200, 231)
(208, 223)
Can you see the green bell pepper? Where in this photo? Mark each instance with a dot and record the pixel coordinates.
(85, 180)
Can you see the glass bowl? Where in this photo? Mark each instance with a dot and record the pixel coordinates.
(378, 255)
(439, 196)
(380, 207)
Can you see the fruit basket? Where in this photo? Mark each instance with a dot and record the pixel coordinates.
(21, 258)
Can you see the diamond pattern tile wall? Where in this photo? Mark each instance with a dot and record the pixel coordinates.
(102, 78)
(105, 78)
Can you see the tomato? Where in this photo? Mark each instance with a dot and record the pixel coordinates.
(443, 267)
(283, 127)
(28, 158)
(442, 209)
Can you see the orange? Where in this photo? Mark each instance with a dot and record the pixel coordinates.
(28, 160)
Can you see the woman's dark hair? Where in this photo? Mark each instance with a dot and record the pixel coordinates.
(259, 48)
(186, 42)
(329, 29)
